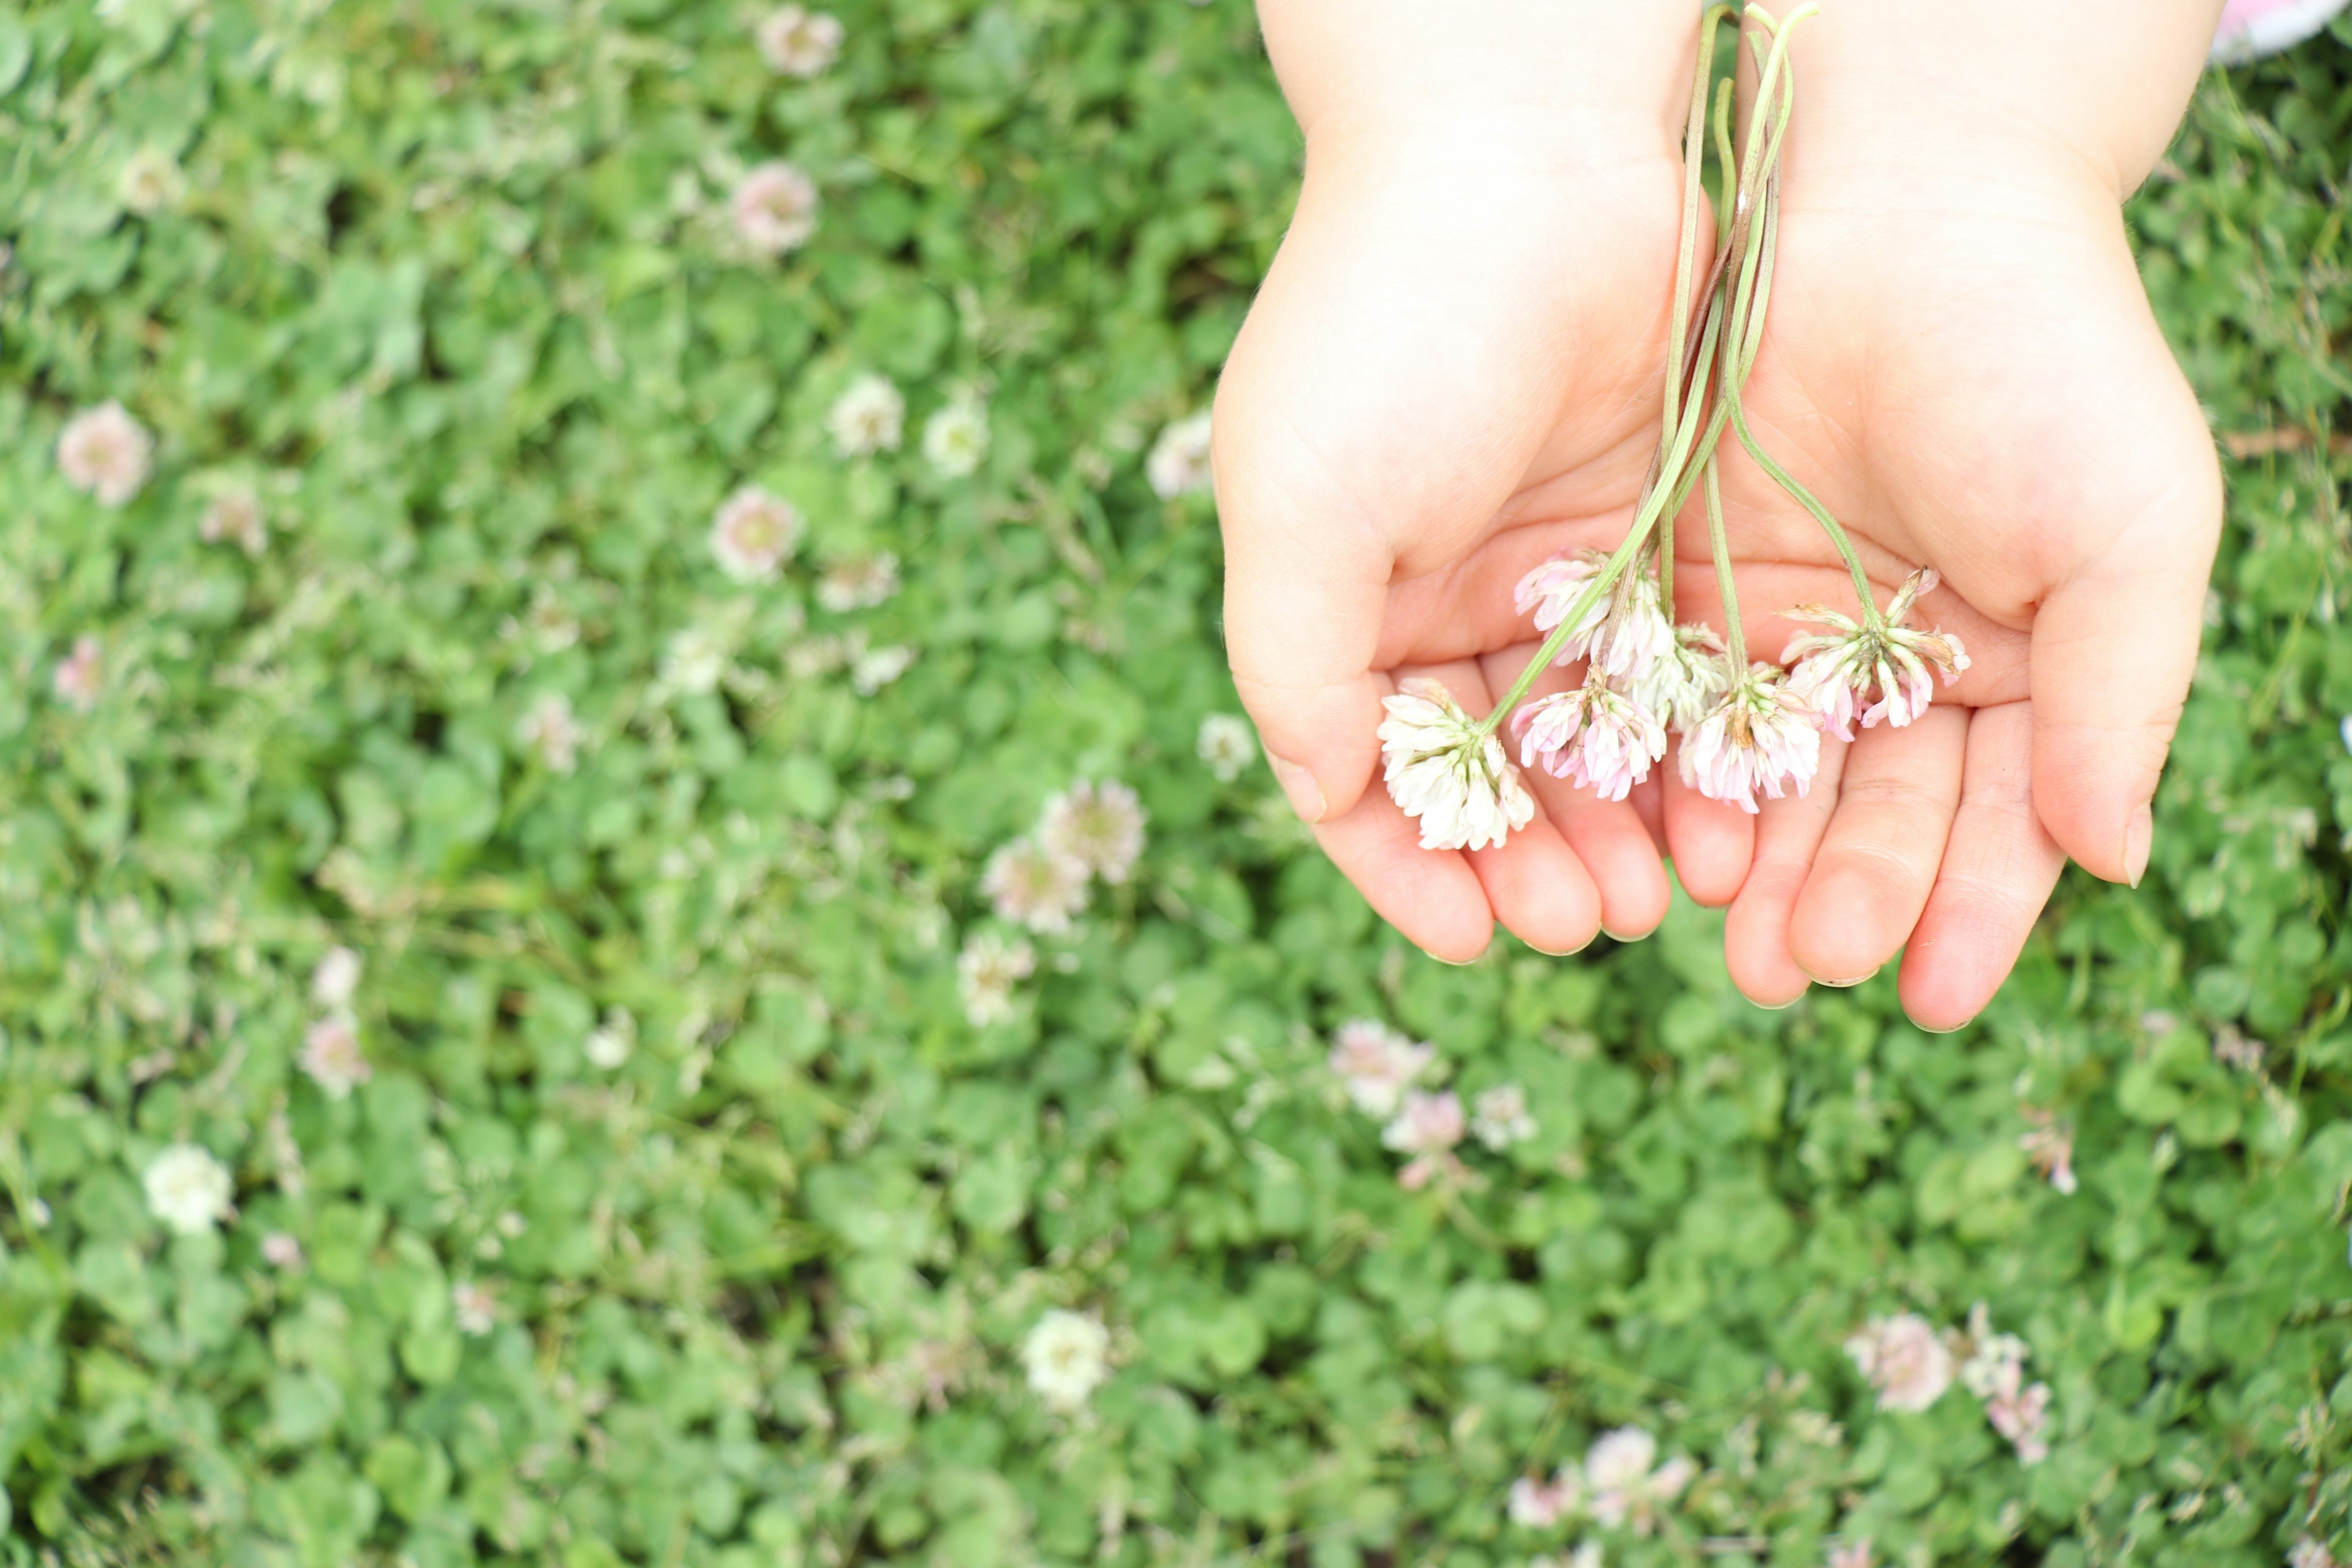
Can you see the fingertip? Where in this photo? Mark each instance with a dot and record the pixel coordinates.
(1540, 890)
(1711, 844)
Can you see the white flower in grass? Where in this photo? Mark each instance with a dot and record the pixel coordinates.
(1836, 673)
(1625, 1488)
(1855, 1553)
(608, 1045)
(1586, 1555)
(235, 517)
(1499, 1116)
(796, 41)
(2344, 731)
(753, 532)
(987, 970)
(1995, 1374)
(80, 677)
(1178, 463)
(2307, 1552)
(187, 1189)
(280, 1250)
(332, 1057)
(151, 180)
(549, 730)
(1066, 1355)
(1685, 681)
(1758, 737)
(875, 668)
(1591, 737)
(474, 1307)
(859, 583)
(694, 661)
(1377, 1064)
(1539, 1505)
(1551, 591)
(105, 453)
(2234, 1050)
(1427, 1124)
(955, 438)
(1032, 886)
(1227, 744)
(337, 977)
(2050, 1146)
(1099, 824)
(775, 208)
(1905, 1359)
(1439, 769)
(868, 417)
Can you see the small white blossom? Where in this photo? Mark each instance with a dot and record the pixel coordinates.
(2234, 1050)
(1592, 737)
(1178, 463)
(1853, 1554)
(151, 180)
(1552, 592)
(1441, 769)
(987, 970)
(1905, 1360)
(868, 417)
(754, 534)
(1539, 1505)
(875, 668)
(1032, 886)
(81, 675)
(608, 1045)
(1757, 736)
(1427, 1124)
(235, 517)
(1995, 1374)
(549, 728)
(1835, 673)
(1099, 824)
(1636, 634)
(1499, 1116)
(955, 439)
(332, 1057)
(1685, 681)
(2344, 731)
(337, 977)
(2308, 1553)
(1227, 744)
(1377, 1064)
(859, 583)
(1066, 1355)
(1626, 1490)
(187, 1189)
(775, 208)
(105, 453)
(694, 661)
(280, 1250)
(796, 41)
(474, 1307)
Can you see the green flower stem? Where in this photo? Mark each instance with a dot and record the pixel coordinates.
(1735, 637)
(1693, 187)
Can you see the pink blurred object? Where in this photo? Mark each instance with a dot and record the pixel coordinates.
(2252, 28)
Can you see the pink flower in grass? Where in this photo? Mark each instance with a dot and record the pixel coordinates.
(775, 208)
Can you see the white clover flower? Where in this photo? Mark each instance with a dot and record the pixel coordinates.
(1227, 744)
(1625, 1489)
(875, 668)
(2344, 731)
(754, 534)
(1539, 1505)
(474, 1307)
(955, 439)
(1759, 735)
(796, 41)
(235, 517)
(332, 1057)
(1427, 1124)
(1067, 1356)
(1551, 591)
(1905, 1360)
(187, 1189)
(2024, 1418)
(1836, 673)
(280, 1250)
(986, 972)
(151, 180)
(337, 977)
(1499, 1116)
(2308, 1553)
(1376, 1064)
(549, 728)
(695, 660)
(1591, 737)
(868, 417)
(105, 453)
(1856, 1553)
(1178, 463)
(2234, 1050)
(1636, 633)
(1685, 681)
(80, 677)
(859, 583)
(608, 1045)
(1099, 824)
(775, 208)
(1032, 886)
(1441, 769)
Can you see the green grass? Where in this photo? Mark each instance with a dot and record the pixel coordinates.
(668, 1052)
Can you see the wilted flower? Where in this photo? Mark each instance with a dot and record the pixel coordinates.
(955, 438)
(2024, 1418)
(868, 417)
(1625, 1489)
(151, 180)
(1539, 1505)
(331, 1056)
(81, 675)
(1684, 681)
(187, 1189)
(1551, 591)
(1227, 744)
(1995, 1374)
(1427, 1124)
(1905, 1359)
(875, 668)
(2234, 1050)
(1067, 1356)
(235, 517)
(1837, 672)
(1591, 737)
(796, 41)
(1499, 1116)
(280, 1250)
(336, 978)
(1100, 825)
(1178, 463)
(986, 972)
(105, 453)
(1376, 1064)
(1759, 735)
(1440, 769)
(753, 532)
(859, 583)
(2050, 1144)
(473, 1306)
(1032, 886)
(549, 728)
(775, 208)
(608, 1045)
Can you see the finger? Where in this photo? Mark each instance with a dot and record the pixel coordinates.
(1997, 871)
(1609, 838)
(1709, 841)
(1877, 861)
(1756, 932)
(1430, 896)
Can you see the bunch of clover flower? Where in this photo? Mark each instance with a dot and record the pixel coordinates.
(1747, 728)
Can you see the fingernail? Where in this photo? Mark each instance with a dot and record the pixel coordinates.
(1305, 795)
(1844, 984)
(2139, 836)
(1621, 936)
(1562, 953)
(1953, 1030)
(1777, 1006)
(1458, 962)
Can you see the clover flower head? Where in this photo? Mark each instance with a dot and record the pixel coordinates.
(1684, 681)
(1551, 591)
(753, 532)
(875, 668)
(1377, 1064)
(1226, 745)
(1855, 1554)
(2051, 1147)
(869, 416)
(1032, 886)
(775, 208)
(1628, 1487)
(1905, 1359)
(336, 978)
(151, 180)
(473, 1308)
(1591, 736)
(187, 1189)
(796, 41)
(1099, 824)
(2309, 1552)
(1540, 1504)
(1439, 769)
(955, 438)
(986, 972)
(105, 453)
(859, 583)
(549, 728)
(1837, 672)
(332, 1057)
(1499, 1116)
(608, 1045)
(1427, 1127)
(81, 675)
(1635, 635)
(235, 517)
(280, 1250)
(1066, 1356)
(1178, 463)
(1757, 736)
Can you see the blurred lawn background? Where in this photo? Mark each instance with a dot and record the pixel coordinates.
(646, 1192)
